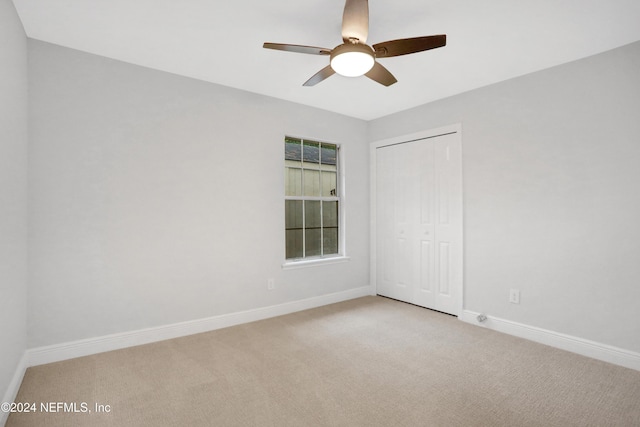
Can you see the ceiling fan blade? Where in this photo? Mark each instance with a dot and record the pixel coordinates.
(312, 50)
(405, 46)
(355, 21)
(381, 75)
(320, 76)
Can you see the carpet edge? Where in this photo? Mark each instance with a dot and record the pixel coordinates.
(85, 347)
(14, 386)
(584, 347)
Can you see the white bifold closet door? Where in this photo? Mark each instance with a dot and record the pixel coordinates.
(419, 222)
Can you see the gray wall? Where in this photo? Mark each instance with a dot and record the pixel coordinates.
(156, 199)
(13, 194)
(551, 194)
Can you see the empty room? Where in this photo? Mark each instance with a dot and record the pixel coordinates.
(319, 213)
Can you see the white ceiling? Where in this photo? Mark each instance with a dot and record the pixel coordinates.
(221, 41)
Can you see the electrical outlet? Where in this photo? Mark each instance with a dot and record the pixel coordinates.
(271, 284)
(514, 296)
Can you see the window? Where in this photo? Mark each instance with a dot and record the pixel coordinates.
(312, 199)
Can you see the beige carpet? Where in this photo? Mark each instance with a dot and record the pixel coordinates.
(365, 362)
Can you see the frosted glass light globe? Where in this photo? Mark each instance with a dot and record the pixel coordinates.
(352, 60)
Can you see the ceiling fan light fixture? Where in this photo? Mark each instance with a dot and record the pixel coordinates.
(352, 60)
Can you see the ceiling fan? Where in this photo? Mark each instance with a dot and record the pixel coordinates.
(356, 58)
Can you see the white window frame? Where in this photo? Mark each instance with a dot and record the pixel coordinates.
(341, 256)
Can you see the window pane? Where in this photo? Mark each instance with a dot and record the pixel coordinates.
(312, 222)
(330, 240)
(312, 183)
(311, 154)
(330, 227)
(330, 214)
(329, 184)
(293, 150)
(293, 166)
(312, 242)
(312, 214)
(329, 154)
(293, 181)
(293, 226)
(293, 214)
(294, 244)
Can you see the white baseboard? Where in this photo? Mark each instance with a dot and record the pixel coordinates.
(14, 386)
(86, 347)
(595, 350)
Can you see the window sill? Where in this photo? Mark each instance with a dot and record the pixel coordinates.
(290, 265)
